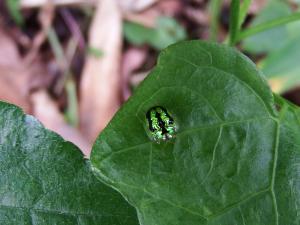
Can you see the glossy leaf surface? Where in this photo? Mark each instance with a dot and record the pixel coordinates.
(45, 180)
(232, 160)
(264, 42)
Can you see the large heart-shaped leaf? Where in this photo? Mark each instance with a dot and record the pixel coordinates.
(229, 163)
(45, 180)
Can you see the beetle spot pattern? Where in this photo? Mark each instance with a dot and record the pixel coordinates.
(161, 125)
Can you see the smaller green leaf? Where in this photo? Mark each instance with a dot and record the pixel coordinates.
(214, 9)
(138, 34)
(265, 41)
(243, 11)
(167, 31)
(283, 63)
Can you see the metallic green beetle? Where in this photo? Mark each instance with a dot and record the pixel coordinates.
(161, 124)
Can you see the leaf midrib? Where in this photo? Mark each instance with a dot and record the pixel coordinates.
(231, 74)
(215, 125)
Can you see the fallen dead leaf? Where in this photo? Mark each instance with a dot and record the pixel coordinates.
(100, 88)
(46, 111)
(169, 7)
(146, 18)
(40, 3)
(137, 78)
(13, 75)
(135, 5)
(200, 17)
(46, 16)
(17, 78)
(133, 59)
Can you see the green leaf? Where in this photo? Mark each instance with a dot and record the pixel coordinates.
(283, 63)
(214, 10)
(270, 39)
(166, 32)
(287, 184)
(14, 9)
(243, 11)
(45, 180)
(234, 26)
(227, 163)
(138, 34)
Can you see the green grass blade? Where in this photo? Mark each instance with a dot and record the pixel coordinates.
(214, 8)
(14, 9)
(268, 25)
(234, 21)
(243, 11)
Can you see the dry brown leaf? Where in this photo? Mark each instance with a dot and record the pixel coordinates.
(170, 7)
(133, 59)
(199, 16)
(137, 78)
(40, 3)
(101, 80)
(148, 17)
(10, 92)
(135, 5)
(17, 79)
(45, 110)
(13, 75)
(46, 16)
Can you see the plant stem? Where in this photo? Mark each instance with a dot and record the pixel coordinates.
(214, 8)
(72, 109)
(40, 3)
(243, 11)
(234, 21)
(56, 47)
(268, 25)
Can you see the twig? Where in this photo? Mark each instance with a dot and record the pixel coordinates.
(46, 16)
(39, 3)
(73, 27)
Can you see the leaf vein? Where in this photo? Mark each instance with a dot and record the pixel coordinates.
(213, 156)
(232, 75)
(274, 173)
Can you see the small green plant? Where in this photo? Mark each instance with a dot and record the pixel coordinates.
(237, 17)
(167, 31)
